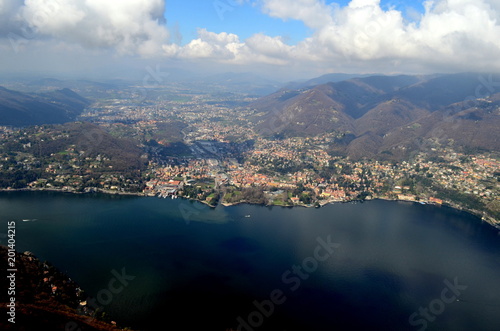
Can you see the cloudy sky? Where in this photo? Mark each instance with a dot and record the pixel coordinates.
(288, 39)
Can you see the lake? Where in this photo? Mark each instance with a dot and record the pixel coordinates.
(378, 265)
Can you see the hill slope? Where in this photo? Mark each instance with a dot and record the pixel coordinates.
(23, 109)
(74, 154)
(377, 111)
(464, 125)
(46, 299)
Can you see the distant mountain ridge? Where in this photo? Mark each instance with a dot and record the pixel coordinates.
(324, 79)
(374, 110)
(55, 107)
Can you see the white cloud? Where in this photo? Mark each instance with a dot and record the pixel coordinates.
(129, 26)
(8, 9)
(273, 47)
(363, 31)
(209, 45)
(452, 34)
(227, 48)
(313, 13)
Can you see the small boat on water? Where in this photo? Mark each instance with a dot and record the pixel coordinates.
(247, 216)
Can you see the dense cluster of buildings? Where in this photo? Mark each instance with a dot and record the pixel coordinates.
(305, 164)
(351, 180)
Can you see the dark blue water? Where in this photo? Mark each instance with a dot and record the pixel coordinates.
(389, 265)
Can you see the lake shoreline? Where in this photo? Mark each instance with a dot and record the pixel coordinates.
(489, 220)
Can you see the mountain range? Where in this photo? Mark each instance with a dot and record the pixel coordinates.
(389, 115)
(54, 107)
